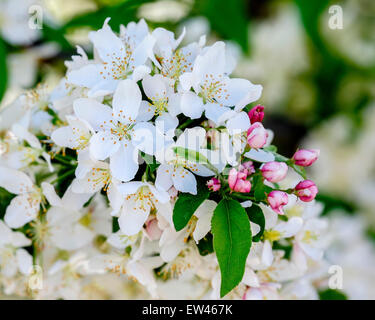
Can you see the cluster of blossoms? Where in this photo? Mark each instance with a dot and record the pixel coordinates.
(148, 162)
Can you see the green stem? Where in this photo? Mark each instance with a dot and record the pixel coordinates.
(66, 174)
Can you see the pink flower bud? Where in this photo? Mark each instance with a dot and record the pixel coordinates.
(237, 181)
(277, 199)
(306, 157)
(257, 135)
(247, 167)
(256, 114)
(214, 184)
(152, 229)
(274, 171)
(306, 190)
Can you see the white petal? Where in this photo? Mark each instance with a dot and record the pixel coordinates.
(184, 181)
(204, 214)
(192, 139)
(130, 187)
(239, 123)
(192, 105)
(103, 144)
(50, 194)
(24, 261)
(154, 87)
(23, 134)
(218, 114)
(132, 219)
(164, 177)
(124, 163)
(140, 72)
(147, 138)
(126, 101)
(21, 211)
(267, 255)
(260, 155)
(166, 123)
(250, 278)
(14, 181)
(289, 228)
(95, 113)
(107, 44)
(146, 111)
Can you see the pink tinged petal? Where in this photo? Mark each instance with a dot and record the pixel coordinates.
(277, 200)
(164, 177)
(21, 210)
(274, 171)
(184, 180)
(306, 157)
(152, 230)
(97, 115)
(126, 101)
(192, 105)
(15, 181)
(24, 261)
(103, 145)
(124, 163)
(257, 135)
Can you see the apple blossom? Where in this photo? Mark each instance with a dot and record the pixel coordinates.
(306, 190)
(306, 157)
(277, 199)
(237, 181)
(214, 184)
(257, 136)
(256, 114)
(274, 171)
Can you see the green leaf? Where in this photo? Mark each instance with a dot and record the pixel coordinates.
(330, 294)
(187, 204)
(255, 214)
(228, 18)
(232, 242)
(121, 13)
(5, 199)
(3, 68)
(260, 189)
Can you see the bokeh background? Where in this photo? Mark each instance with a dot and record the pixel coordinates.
(319, 87)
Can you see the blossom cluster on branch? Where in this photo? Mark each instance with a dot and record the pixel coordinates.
(148, 161)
